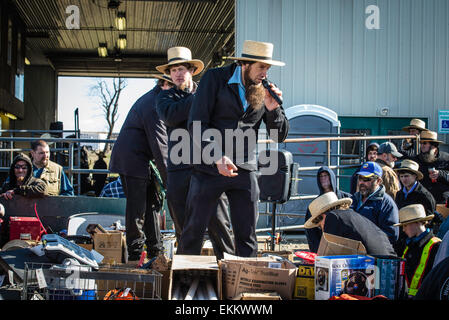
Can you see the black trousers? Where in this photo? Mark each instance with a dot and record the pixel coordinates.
(142, 219)
(219, 227)
(243, 194)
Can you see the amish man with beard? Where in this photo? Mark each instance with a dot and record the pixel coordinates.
(230, 98)
(430, 157)
(173, 107)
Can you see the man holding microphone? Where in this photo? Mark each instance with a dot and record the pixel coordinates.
(231, 98)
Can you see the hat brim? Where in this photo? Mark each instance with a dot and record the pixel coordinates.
(367, 174)
(161, 77)
(418, 173)
(429, 140)
(414, 127)
(309, 224)
(195, 62)
(270, 62)
(426, 218)
(397, 154)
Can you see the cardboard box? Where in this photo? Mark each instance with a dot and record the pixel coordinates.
(332, 245)
(305, 282)
(258, 296)
(389, 277)
(441, 209)
(257, 275)
(110, 245)
(351, 274)
(185, 268)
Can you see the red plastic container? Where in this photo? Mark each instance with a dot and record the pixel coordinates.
(25, 228)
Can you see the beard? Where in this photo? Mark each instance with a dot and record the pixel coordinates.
(254, 93)
(429, 156)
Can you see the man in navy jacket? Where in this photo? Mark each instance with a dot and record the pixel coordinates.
(231, 100)
(372, 202)
(142, 138)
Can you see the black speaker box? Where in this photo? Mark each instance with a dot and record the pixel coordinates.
(279, 185)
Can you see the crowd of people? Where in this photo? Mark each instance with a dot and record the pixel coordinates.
(391, 209)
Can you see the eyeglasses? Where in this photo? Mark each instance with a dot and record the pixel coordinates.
(366, 179)
(18, 167)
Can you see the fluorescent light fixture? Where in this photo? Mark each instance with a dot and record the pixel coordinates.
(120, 20)
(27, 62)
(103, 50)
(121, 41)
(10, 115)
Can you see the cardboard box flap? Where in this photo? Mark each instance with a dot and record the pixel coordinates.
(190, 262)
(332, 245)
(441, 209)
(230, 257)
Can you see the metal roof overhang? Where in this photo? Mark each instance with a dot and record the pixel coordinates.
(204, 26)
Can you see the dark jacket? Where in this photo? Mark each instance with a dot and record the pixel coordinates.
(314, 235)
(143, 137)
(413, 257)
(173, 107)
(381, 209)
(350, 224)
(442, 184)
(31, 187)
(419, 195)
(217, 105)
(436, 284)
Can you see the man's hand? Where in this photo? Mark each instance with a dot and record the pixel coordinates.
(8, 195)
(226, 167)
(434, 174)
(270, 103)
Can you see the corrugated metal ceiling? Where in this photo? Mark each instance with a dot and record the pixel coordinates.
(152, 27)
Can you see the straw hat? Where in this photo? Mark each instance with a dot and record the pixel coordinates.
(410, 166)
(429, 136)
(165, 77)
(412, 213)
(177, 55)
(322, 204)
(416, 124)
(259, 52)
(46, 136)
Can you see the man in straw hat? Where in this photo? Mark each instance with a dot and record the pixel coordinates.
(372, 202)
(231, 98)
(333, 216)
(143, 137)
(421, 245)
(173, 107)
(408, 146)
(434, 165)
(412, 192)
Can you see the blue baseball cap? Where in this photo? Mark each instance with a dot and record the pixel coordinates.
(370, 168)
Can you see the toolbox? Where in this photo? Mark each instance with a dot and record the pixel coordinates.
(24, 228)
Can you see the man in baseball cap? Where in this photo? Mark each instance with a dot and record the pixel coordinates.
(387, 154)
(373, 202)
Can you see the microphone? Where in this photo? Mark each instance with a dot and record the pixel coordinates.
(266, 85)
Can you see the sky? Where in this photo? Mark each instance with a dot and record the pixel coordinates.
(75, 92)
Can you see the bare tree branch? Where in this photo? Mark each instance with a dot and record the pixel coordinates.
(109, 101)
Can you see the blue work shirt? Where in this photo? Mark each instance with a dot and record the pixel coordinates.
(66, 188)
(406, 193)
(237, 79)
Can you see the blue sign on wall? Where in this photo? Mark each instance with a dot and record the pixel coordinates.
(443, 121)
